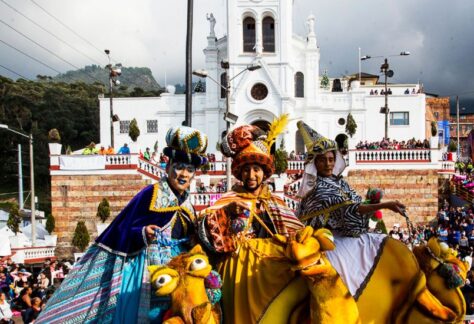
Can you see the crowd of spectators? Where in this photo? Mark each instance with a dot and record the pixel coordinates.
(24, 293)
(297, 156)
(387, 144)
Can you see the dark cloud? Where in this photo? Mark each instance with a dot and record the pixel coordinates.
(150, 33)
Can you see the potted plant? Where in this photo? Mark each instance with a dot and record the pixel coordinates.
(81, 236)
(103, 212)
(351, 125)
(205, 167)
(13, 223)
(134, 133)
(50, 225)
(54, 142)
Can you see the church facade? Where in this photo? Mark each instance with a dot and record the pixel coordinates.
(288, 80)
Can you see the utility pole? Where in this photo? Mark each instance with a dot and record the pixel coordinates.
(227, 110)
(32, 183)
(457, 128)
(189, 65)
(20, 179)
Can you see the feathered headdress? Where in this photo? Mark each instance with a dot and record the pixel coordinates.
(276, 128)
(249, 144)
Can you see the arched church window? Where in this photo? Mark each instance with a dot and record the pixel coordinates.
(299, 85)
(249, 34)
(223, 84)
(268, 30)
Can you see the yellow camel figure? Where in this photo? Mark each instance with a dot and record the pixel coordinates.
(397, 291)
(183, 279)
(282, 280)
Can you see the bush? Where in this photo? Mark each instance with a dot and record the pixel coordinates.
(14, 219)
(50, 223)
(134, 131)
(206, 167)
(103, 211)
(81, 237)
(453, 146)
(351, 125)
(53, 136)
(281, 159)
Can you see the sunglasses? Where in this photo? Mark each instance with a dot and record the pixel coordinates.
(180, 166)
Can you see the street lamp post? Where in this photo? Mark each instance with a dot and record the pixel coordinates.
(114, 73)
(227, 116)
(32, 181)
(385, 69)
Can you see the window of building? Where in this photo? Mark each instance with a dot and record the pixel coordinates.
(299, 85)
(341, 121)
(124, 126)
(259, 91)
(223, 84)
(249, 34)
(152, 126)
(436, 114)
(399, 118)
(268, 31)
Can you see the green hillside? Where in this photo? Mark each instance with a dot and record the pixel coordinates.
(131, 78)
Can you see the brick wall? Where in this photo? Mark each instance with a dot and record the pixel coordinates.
(417, 189)
(75, 198)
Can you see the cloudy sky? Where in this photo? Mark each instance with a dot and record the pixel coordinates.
(438, 33)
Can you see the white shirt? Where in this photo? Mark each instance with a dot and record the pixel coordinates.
(5, 311)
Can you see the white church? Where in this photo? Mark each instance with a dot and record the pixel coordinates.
(260, 33)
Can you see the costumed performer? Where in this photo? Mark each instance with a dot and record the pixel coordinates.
(110, 283)
(328, 201)
(237, 225)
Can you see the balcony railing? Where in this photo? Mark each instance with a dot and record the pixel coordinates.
(415, 155)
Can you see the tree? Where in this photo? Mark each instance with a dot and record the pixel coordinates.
(281, 159)
(103, 211)
(199, 87)
(453, 146)
(14, 219)
(351, 125)
(81, 236)
(50, 223)
(134, 131)
(325, 81)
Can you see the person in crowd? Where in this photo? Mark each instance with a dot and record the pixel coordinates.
(102, 151)
(6, 313)
(201, 188)
(90, 149)
(147, 155)
(31, 313)
(407, 91)
(110, 150)
(23, 301)
(124, 149)
(20, 280)
(249, 211)
(157, 224)
(154, 159)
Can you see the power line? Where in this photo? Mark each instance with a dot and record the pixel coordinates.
(31, 57)
(21, 76)
(46, 49)
(50, 33)
(66, 26)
